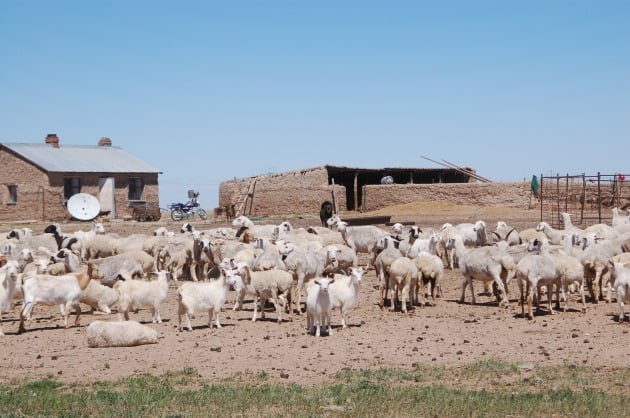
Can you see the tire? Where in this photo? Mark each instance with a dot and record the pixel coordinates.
(202, 214)
(177, 215)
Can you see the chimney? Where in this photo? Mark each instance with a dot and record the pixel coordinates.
(52, 140)
(104, 142)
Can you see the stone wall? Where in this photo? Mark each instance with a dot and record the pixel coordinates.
(514, 195)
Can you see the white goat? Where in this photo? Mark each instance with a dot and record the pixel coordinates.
(621, 274)
(319, 306)
(198, 297)
(8, 281)
(344, 292)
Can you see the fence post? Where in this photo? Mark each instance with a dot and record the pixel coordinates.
(583, 197)
(599, 197)
(542, 180)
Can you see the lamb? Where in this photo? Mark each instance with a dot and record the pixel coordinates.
(344, 292)
(532, 272)
(274, 285)
(361, 239)
(101, 334)
(8, 282)
(303, 265)
(621, 273)
(319, 306)
(198, 297)
(403, 277)
(135, 294)
(54, 290)
(488, 264)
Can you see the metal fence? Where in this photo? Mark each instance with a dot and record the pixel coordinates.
(588, 199)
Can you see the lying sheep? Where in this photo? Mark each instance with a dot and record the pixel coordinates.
(199, 297)
(319, 306)
(101, 334)
(134, 294)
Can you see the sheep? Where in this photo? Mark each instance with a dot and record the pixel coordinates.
(382, 266)
(303, 265)
(274, 285)
(529, 234)
(555, 236)
(198, 297)
(55, 290)
(403, 277)
(488, 264)
(98, 246)
(319, 306)
(569, 271)
(595, 261)
(135, 294)
(96, 295)
(473, 234)
(420, 245)
(532, 272)
(202, 258)
(344, 292)
(269, 258)
(405, 245)
(161, 232)
(361, 239)
(116, 267)
(448, 232)
(63, 241)
(176, 259)
(618, 219)
(621, 273)
(504, 232)
(8, 283)
(336, 258)
(431, 271)
(101, 334)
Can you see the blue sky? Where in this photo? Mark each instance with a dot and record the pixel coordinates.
(206, 90)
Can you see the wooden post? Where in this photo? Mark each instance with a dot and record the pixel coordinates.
(540, 193)
(599, 197)
(335, 208)
(356, 189)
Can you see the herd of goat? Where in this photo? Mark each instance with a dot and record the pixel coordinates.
(281, 264)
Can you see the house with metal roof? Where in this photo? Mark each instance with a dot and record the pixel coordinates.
(37, 179)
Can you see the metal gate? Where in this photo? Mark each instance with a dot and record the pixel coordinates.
(588, 199)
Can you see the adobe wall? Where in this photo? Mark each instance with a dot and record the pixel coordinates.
(283, 194)
(484, 194)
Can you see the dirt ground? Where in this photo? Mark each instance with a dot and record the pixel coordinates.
(447, 333)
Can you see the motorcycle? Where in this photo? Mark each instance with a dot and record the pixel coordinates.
(187, 210)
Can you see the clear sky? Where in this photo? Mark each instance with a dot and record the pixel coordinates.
(210, 90)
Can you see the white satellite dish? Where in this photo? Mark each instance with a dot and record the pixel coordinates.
(84, 206)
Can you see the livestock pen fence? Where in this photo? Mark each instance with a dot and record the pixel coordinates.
(588, 199)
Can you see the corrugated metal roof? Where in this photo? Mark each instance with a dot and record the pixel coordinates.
(81, 158)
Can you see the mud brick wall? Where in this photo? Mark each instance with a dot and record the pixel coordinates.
(514, 195)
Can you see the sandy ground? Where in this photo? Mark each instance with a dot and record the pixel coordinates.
(444, 334)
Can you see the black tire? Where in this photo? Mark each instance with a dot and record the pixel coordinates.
(177, 215)
(202, 214)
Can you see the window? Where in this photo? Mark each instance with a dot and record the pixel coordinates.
(12, 195)
(136, 187)
(71, 186)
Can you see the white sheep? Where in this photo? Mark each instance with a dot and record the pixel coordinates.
(270, 257)
(55, 290)
(382, 265)
(101, 334)
(534, 271)
(595, 261)
(504, 232)
(428, 245)
(344, 292)
(338, 258)
(621, 274)
(430, 273)
(362, 239)
(303, 265)
(473, 234)
(116, 267)
(319, 306)
(199, 297)
(403, 277)
(134, 294)
(274, 285)
(488, 264)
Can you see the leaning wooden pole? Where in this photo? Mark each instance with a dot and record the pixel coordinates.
(471, 173)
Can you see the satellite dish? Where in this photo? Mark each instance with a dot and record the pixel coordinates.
(84, 206)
